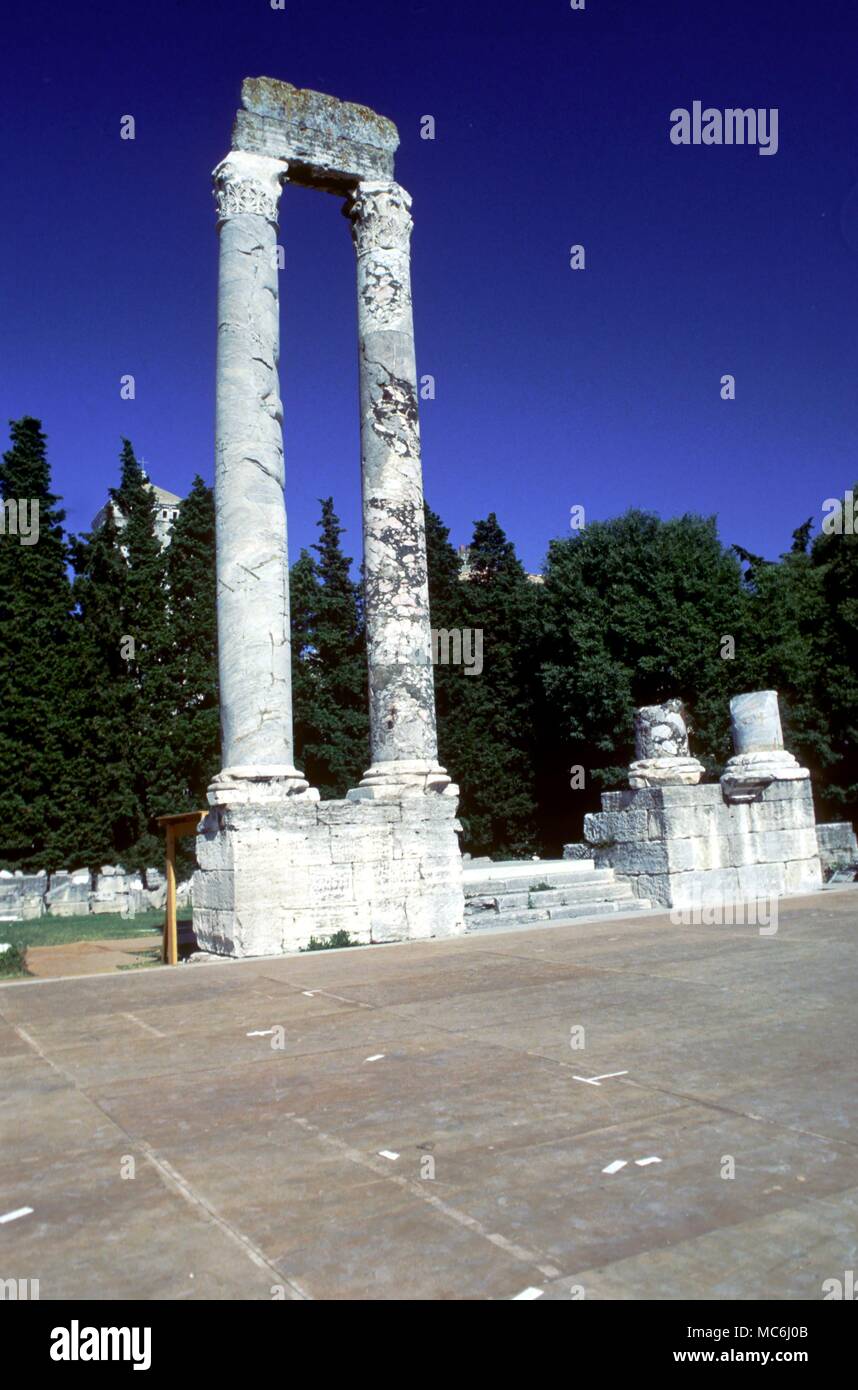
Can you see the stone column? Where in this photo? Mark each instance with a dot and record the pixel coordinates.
(662, 756)
(404, 749)
(760, 756)
(252, 571)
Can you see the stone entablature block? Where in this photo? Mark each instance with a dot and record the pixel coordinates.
(330, 144)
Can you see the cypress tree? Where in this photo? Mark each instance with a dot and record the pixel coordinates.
(834, 560)
(37, 668)
(121, 609)
(329, 664)
(491, 737)
(303, 600)
(446, 613)
(187, 756)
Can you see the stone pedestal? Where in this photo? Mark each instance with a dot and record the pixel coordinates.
(272, 875)
(689, 847)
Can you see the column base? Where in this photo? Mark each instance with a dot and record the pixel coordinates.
(388, 781)
(665, 772)
(748, 774)
(259, 785)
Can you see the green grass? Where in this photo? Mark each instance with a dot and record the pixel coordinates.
(64, 931)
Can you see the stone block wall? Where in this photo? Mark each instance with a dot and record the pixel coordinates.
(838, 846)
(688, 846)
(272, 875)
(24, 897)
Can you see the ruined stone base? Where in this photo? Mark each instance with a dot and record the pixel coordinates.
(273, 874)
(688, 846)
(667, 771)
(838, 847)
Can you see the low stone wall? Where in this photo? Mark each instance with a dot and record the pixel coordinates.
(271, 876)
(24, 897)
(688, 846)
(838, 846)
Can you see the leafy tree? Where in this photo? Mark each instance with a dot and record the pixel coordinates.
(785, 605)
(37, 664)
(635, 610)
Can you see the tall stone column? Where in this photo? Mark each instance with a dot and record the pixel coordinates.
(254, 654)
(403, 740)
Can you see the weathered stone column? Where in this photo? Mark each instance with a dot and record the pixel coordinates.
(662, 756)
(760, 756)
(404, 749)
(252, 570)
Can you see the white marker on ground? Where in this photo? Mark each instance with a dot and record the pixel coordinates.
(261, 1033)
(528, 1293)
(642, 1162)
(376, 1057)
(615, 1167)
(16, 1214)
(387, 1153)
(597, 1080)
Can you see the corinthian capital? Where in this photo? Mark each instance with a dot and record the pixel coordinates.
(380, 214)
(248, 183)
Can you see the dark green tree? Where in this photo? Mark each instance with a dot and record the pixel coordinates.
(121, 592)
(329, 664)
(446, 613)
(489, 741)
(635, 610)
(834, 560)
(37, 661)
(786, 609)
(184, 759)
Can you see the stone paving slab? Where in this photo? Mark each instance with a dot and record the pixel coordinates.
(785, 1256)
(428, 1130)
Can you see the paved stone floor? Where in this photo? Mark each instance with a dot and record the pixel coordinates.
(307, 1168)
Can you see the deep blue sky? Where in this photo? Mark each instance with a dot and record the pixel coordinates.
(553, 387)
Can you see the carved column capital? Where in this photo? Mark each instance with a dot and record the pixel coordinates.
(248, 183)
(380, 216)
